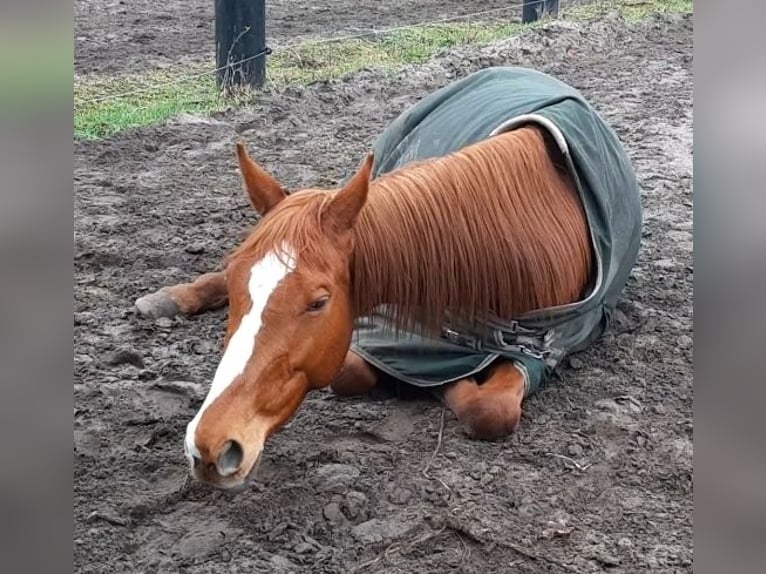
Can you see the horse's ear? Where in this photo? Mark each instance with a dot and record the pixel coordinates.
(340, 215)
(263, 190)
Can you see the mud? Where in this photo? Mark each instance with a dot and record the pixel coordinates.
(598, 477)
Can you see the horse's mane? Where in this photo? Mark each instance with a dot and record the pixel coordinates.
(495, 229)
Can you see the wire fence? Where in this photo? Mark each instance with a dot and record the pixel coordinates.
(302, 47)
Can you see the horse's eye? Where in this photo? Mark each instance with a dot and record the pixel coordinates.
(318, 304)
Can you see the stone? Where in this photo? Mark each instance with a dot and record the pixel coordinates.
(195, 248)
(576, 363)
(624, 543)
(379, 530)
(336, 478)
(354, 504)
(574, 449)
(685, 342)
(164, 322)
(282, 564)
(303, 548)
(333, 514)
(125, 356)
(400, 495)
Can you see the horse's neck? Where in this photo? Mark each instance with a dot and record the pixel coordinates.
(474, 244)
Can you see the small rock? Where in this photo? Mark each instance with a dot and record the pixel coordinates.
(106, 517)
(576, 363)
(607, 559)
(377, 530)
(278, 531)
(452, 559)
(336, 478)
(630, 404)
(685, 342)
(608, 405)
(665, 264)
(199, 542)
(202, 347)
(282, 563)
(354, 504)
(558, 528)
(125, 356)
(303, 548)
(486, 479)
(180, 387)
(164, 322)
(400, 495)
(659, 409)
(195, 248)
(624, 543)
(85, 318)
(574, 449)
(333, 514)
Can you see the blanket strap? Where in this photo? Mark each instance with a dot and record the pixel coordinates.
(510, 338)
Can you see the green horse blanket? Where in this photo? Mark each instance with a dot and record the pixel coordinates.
(476, 107)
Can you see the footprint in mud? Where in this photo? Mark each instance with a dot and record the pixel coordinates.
(191, 530)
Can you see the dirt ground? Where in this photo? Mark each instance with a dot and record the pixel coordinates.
(599, 476)
(115, 36)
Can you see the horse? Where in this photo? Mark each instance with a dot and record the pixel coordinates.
(487, 235)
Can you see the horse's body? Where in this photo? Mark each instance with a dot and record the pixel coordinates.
(498, 229)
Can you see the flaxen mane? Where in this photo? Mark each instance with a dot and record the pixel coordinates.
(494, 229)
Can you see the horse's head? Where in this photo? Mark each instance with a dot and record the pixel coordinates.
(290, 320)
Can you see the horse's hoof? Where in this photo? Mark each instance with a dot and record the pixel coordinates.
(157, 304)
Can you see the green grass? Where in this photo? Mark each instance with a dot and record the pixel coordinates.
(632, 10)
(101, 110)
(301, 65)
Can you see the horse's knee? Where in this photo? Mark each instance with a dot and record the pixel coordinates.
(487, 412)
(488, 418)
(356, 377)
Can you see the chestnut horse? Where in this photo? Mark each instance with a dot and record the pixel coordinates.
(422, 241)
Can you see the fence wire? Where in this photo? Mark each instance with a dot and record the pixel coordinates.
(308, 43)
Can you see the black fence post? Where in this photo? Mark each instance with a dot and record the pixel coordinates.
(530, 9)
(240, 36)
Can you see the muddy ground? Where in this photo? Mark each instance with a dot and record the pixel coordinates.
(598, 478)
(116, 36)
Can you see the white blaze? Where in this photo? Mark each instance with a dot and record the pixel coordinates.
(265, 276)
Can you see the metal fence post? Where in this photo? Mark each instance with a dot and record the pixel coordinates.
(240, 36)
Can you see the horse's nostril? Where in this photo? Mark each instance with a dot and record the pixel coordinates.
(230, 458)
(196, 461)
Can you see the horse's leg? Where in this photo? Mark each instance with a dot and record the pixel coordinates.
(492, 410)
(206, 292)
(357, 377)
